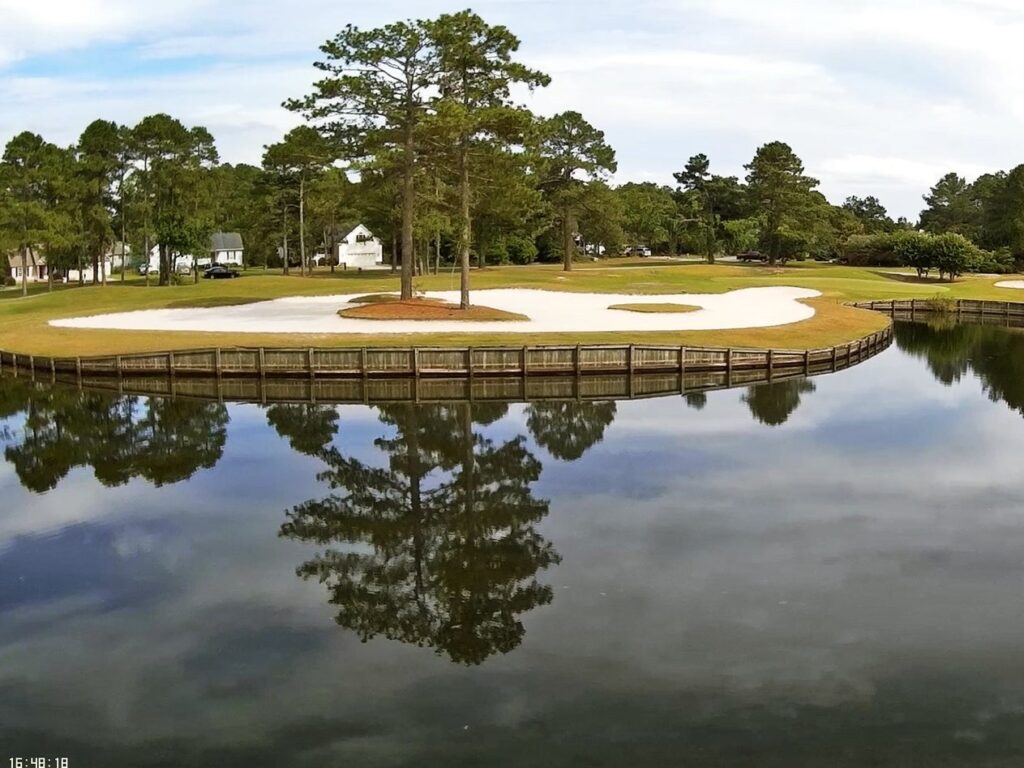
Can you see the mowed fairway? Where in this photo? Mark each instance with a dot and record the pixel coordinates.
(24, 325)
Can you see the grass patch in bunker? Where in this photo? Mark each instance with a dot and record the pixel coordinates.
(426, 309)
(662, 308)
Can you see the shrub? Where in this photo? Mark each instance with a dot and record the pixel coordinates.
(999, 262)
(739, 235)
(521, 250)
(912, 249)
(871, 251)
(953, 255)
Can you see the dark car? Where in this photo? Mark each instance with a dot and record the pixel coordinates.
(219, 272)
(751, 256)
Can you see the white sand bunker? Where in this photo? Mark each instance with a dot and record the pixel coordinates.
(1010, 284)
(549, 311)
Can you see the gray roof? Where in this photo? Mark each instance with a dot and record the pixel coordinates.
(225, 241)
(32, 259)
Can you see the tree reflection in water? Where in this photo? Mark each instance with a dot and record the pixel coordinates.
(773, 404)
(995, 355)
(120, 437)
(440, 548)
(307, 427)
(569, 429)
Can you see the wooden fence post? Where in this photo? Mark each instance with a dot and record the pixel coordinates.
(771, 363)
(416, 363)
(363, 364)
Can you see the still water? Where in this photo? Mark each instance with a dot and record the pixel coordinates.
(816, 572)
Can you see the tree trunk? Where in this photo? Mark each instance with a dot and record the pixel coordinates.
(24, 271)
(394, 253)
(124, 226)
(437, 253)
(284, 238)
(165, 265)
(465, 228)
(408, 210)
(567, 243)
(302, 226)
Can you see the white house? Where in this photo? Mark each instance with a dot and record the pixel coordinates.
(87, 275)
(35, 267)
(119, 255)
(226, 248)
(360, 250)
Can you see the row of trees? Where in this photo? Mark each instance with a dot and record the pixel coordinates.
(153, 182)
(415, 128)
(989, 211)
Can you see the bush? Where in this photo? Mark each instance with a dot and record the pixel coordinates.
(521, 250)
(912, 249)
(871, 251)
(953, 255)
(739, 235)
(999, 262)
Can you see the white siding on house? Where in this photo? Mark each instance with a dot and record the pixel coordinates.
(361, 250)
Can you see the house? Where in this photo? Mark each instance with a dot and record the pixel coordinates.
(36, 269)
(179, 261)
(361, 250)
(119, 255)
(86, 273)
(226, 248)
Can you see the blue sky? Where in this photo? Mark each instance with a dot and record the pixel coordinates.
(879, 96)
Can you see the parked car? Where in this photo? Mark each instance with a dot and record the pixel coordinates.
(751, 256)
(219, 272)
(143, 269)
(638, 250)
(183, 269)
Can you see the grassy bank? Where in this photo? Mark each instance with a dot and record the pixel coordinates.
(24, 328)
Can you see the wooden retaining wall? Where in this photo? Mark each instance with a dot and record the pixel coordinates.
(291, 389)
(437, 374)
(963, 309)
(426, 362)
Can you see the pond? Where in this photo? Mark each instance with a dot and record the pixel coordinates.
(824, 571)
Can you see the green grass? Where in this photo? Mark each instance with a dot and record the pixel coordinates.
(24, 329)
(660, 308)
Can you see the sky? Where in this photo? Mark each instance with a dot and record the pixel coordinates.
(877, 96)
